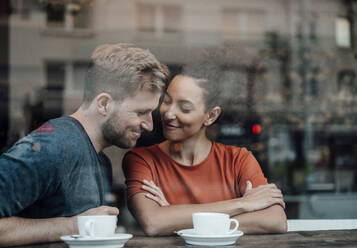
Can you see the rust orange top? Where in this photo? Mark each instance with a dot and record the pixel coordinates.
(221, 176)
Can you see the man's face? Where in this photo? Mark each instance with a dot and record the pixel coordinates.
(129, 118)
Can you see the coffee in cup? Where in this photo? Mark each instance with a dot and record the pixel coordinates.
(213, 223)
(97, 225)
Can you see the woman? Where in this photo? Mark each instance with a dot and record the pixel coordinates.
(188, 173)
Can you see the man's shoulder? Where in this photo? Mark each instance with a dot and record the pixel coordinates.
(63, 131)
(65, 125)
(59, 136)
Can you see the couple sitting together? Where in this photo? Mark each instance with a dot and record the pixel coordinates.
(59, 172)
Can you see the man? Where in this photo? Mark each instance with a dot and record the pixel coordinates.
(59, 171)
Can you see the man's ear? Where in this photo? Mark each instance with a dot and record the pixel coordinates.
(212, 116)
(104, 103)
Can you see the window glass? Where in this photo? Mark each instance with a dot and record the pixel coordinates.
(289, 80)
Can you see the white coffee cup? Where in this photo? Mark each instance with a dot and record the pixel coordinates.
(213, 223)
(97, 225)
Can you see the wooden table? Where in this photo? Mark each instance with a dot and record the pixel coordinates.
(340, 238)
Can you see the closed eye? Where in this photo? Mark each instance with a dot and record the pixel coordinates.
(142, 113)
(185, 109)
(186, 106)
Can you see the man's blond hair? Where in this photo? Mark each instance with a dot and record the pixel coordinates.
(122, 69)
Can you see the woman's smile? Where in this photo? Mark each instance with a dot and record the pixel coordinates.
(170, 126)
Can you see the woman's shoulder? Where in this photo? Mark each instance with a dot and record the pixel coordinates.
(220, 147)
(145, 148)
(236, 156)
(144, 151)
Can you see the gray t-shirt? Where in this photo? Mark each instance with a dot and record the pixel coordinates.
(54, 171)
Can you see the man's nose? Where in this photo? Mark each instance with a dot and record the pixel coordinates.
(147, 123)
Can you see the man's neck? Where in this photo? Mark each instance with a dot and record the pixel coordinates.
(91, 126)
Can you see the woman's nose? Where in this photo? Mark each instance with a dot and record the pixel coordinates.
(169, 114)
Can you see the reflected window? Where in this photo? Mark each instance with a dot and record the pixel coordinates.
(71, 15)
(53, 93)
(265, 78)
(240, 23)
(55, 72)
(79, 74)
(172, 18)
(55, 15)
(145, 16)
(158, 17)
(24, 7)
(343, 32)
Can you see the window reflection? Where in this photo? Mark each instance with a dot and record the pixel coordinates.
(295, 77)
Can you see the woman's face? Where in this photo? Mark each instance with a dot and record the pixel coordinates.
(183, 111)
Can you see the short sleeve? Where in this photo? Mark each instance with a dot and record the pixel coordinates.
(25, 176)
(136, 168)
(248, 168)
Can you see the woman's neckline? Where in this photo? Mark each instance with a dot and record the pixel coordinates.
(185, 165)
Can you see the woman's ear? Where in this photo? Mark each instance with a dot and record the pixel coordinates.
(103, 103)
(212, 116)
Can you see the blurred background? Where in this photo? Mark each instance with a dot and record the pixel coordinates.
(290, 83)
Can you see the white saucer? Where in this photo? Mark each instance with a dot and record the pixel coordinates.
(115, 241)
(192, 238)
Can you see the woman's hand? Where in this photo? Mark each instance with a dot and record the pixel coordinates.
(262, 197)
(155, 193)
